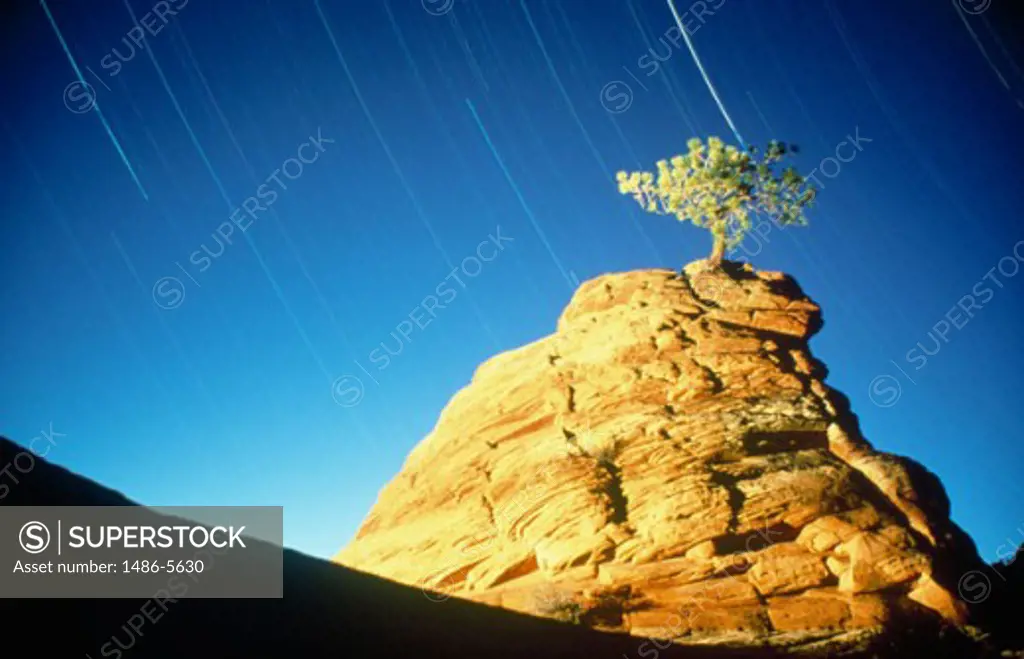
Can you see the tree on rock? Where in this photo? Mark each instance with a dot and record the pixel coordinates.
(719, 187)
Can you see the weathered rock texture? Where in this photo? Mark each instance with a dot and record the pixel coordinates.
(669, 463)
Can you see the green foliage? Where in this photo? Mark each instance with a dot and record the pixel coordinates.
(561, 607)
(719, 187)
(604, 454)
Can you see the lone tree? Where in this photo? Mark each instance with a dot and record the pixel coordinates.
(718, 187)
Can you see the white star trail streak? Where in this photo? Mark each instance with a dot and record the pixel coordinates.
(1002, 47)
(171, 336)
(984, 53)
(364, 431)
(298, 73)
(424, 89)
(672, 84)
(579, 123)
(554, 173)
(231, 208)
(873, 315)
(519, 196)
(474, 65)
(167, 216)
(581, 53)
(95, 103)
(104, 297)
(806, 253)
(889, 112)
(704, 74)
(397, 168)
(666, 77)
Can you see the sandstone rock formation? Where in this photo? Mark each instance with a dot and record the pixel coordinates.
(669, 463)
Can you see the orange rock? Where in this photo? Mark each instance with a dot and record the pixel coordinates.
(670, 462)
(928, 593)
(825, 533)
(874, 563)
(868, 611)
(787, 574)
(802, 613)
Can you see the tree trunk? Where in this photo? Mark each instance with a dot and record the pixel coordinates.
(717, 251)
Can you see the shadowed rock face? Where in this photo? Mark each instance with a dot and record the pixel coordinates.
(669, 463)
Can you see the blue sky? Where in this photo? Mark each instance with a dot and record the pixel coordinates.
(185, 367)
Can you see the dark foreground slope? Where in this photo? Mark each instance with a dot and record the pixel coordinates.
(328, 610)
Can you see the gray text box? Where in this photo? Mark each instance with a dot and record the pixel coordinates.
(135, 551)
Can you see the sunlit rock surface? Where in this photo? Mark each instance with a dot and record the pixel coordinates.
(669, 463)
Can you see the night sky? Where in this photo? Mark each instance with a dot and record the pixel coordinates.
(222, 221)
